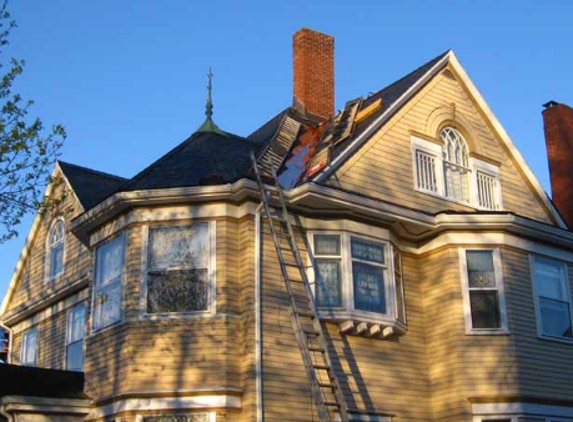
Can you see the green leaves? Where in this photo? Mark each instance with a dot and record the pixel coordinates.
(27, 150)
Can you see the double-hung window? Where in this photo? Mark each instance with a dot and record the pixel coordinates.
(75, 333)
(483, 292)
(356, 278)
(29, 354)
(552, 297)
(109, 279)
(180, 269)
(55, 249)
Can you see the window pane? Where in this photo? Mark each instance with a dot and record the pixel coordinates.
(56, 260)
(76, 324)
(29, 347)
(456, 183)
(178, 291)
(328, 283)
(325, 244)
(549, 280)
(110, 261)
(369, 294)
(179, 246)
(75, 356)
(108, 304)
(555, 317)
(485, 309)
(367, 251)
(480, 269)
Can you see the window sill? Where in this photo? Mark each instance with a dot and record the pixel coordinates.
(501, 332)
(445, 198)
(178, 315)
(564, 340)
(365, 324)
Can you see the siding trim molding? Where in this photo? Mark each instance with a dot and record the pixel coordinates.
(487, 409)
(140, 404)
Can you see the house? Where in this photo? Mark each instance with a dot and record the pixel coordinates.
(440, 268)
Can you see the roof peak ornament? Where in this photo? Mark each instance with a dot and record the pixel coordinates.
(209, 125)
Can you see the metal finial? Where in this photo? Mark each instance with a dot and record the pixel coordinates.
(208, 125)
(209, 106)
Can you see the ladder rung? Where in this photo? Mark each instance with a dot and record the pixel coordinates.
(332, 404)
(322, 367)
(311, 333)
(327, 385)
(307, 314)
(316, 349)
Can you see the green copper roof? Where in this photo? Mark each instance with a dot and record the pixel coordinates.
(209, 125)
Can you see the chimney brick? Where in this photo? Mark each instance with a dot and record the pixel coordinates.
(558, 126)
(313, 72)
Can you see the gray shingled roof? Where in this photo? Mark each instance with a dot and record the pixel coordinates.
(211, 158)
(91, 186)
(206, 158)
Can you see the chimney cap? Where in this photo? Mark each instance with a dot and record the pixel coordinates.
(550, 104)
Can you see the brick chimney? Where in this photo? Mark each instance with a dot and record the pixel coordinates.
(313, 72)
(558, 125)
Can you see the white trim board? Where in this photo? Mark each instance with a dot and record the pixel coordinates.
(211, 401)
(487, 409)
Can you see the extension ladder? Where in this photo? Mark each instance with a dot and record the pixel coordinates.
(324, 386)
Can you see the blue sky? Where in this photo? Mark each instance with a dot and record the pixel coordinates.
(127, 78)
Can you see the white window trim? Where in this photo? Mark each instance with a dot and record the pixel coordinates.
(23, 347)
(348, 312)
(435, 150)
(491, 170)
(212, 306)
(497, 268)
(484, 412)
(475, 165)
(211, 416)
(92, 313)
(48, 257)
(67, 342)
(564, 270)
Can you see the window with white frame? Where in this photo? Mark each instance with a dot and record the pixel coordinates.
(552, 297)
(180, 269)
(75, 333)
(357, 276)
(456, 165)
(448, 171)
(56, 242)
(483, 292)
(108, 286)
(29, 354)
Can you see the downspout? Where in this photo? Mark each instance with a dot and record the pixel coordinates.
(258, 322)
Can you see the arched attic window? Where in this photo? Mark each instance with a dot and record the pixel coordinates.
(456, 165)
(56, 244)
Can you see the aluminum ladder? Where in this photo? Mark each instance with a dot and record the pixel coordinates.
(325, 388)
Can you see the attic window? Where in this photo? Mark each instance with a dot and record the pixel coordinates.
(55, 249)
(456, 165)
(180, 269)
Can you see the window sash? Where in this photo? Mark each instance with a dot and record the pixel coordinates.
(29, 347)
(553, 303)
(483, 292)
(75, 356)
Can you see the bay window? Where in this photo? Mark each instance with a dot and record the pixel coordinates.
(357, 278)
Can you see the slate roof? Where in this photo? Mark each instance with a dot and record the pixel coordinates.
(206, 158)
(91, 186)
(214, 158)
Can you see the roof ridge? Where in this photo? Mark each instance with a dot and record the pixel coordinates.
(397, 81)
(98, 172)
